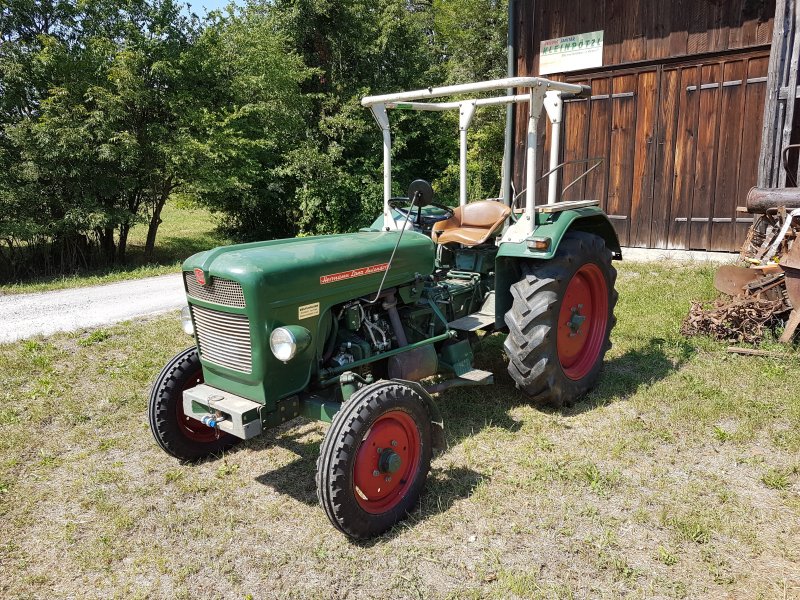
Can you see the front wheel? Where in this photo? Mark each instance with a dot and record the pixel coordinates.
(179, 435)
(375, 459)
(561, 320)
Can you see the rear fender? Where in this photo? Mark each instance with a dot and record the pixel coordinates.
(553, 226)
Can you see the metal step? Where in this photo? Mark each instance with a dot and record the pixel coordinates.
(478, 377)
(478, 320)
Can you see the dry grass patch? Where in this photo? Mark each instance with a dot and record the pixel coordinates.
(678, 477)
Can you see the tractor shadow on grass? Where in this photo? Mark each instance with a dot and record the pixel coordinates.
(296, 479)
(444, 487)
(621, 376)
(470, 410)
(624, 375)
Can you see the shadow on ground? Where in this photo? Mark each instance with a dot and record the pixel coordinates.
(640, 367)
(467, 411)
(297, 480)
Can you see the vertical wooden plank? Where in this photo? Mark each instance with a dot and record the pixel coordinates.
(772, 123)
(633, 28)
(743, 33)
(698, 27)
(623, 129)
(575, 135)
(791, 84)
(526, 31)
(599, 140)
(766, 27)
(685, 152)
(705, 160)
(658, 23)
(612, 37)
(719, 25)
(679, 27)
(665, 157)
(644, 152)
(538, 11)
(726, 192)
(753, 114)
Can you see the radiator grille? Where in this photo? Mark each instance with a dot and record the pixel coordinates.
(223, 338)
(219, 291)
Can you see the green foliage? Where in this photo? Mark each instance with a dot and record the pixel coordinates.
(93, 130)
(110, 107)
(250, 121)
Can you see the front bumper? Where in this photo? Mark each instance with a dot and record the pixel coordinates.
(232, 414)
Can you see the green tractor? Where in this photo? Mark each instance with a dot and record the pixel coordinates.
(360, 329)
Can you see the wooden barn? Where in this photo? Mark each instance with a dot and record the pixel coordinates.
(677, 110)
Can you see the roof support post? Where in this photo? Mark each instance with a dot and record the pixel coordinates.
(534, 111)
(465, 114)
(508, 144)
(382, 118)
(555, 110)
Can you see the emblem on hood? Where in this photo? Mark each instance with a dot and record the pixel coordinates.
(360, 272)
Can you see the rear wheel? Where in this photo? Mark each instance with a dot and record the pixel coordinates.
(179, 435)
(375, 459)
(561, 320)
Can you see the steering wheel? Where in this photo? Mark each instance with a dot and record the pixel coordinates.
(420, 193)
(396, 202)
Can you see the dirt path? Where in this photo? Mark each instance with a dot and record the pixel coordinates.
(27, 315)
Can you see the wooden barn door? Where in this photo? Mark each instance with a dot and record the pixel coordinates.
(618, 123)
(681, 147)
(714, 124)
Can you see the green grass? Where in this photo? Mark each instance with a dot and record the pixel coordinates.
(184, 231)
(677, 477)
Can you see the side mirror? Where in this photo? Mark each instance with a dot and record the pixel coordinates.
(424, 189)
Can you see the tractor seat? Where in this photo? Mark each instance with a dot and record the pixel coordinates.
(472, 224)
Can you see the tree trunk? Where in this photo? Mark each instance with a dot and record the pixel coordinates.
(122, 245)
(155, 221)
(107, 244)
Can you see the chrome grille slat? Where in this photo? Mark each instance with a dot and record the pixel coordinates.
(219, 291)
(223, 338)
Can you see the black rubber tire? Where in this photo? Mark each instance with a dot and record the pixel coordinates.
(533, 320)
(181, 372)
(335, 466)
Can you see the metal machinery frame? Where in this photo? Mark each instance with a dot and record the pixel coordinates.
(541, 94)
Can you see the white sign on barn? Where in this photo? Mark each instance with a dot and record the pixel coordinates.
(571, 53)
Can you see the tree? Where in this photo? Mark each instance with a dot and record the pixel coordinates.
(91, 127)
(358, 47)
(251, 119)
(110, 107)
(471, 39)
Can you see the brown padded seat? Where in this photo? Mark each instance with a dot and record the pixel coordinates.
(471, 225)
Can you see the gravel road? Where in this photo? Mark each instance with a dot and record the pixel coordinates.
(26, 315)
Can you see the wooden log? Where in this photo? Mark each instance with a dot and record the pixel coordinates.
(759, 200)
(754, 352)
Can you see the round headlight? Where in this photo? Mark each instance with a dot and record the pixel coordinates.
(283, 344)
(186, 321)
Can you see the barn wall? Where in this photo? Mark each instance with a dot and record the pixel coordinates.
(645, 31)
(676, 113)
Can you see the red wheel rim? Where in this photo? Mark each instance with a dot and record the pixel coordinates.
(192, 428)
(393, 442)
(582, 321)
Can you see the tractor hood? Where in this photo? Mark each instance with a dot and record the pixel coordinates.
(248, 290)
(294, 270)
